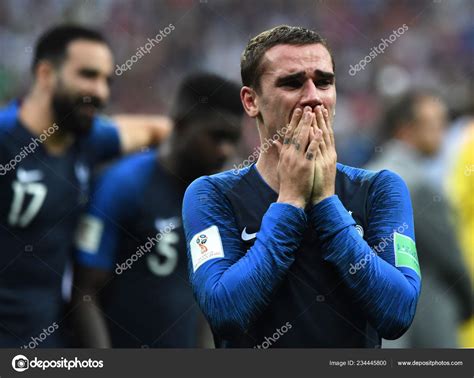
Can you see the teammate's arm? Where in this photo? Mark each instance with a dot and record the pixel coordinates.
(111, 137)
(89, 321)
(97, 241)
(232, 284)
(138, 131)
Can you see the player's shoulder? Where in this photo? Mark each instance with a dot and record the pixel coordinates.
(9, 116)
(373, 179)
(219, 183)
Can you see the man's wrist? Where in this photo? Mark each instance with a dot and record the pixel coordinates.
(329, 216)
(316, 200)
(297, 202)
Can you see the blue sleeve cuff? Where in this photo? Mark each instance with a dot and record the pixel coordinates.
(329, 217)
(296, 216)
(282, 229)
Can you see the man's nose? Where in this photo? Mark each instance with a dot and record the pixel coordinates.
(101, 90)
(310, 95)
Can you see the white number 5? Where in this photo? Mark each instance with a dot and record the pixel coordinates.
(168, 253)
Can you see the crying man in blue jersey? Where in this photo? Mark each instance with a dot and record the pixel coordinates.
(299, 250)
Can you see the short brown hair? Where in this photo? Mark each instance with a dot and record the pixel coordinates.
(250, 62)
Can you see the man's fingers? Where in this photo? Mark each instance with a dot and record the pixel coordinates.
(312, 134)
(295, 118)
(305, 127)
(277, 145)
(287, 136)
(319, 153)
(290, 129)
(312, 150)
(297, 130)
(322, 125)
(316, 125)
(329, 125)
(302, 139)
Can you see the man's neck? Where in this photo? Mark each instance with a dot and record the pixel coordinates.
(266, 165)
(36, 115)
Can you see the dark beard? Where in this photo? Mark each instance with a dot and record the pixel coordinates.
(68, 115)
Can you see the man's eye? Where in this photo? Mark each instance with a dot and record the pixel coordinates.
(323, 83)
(292, 84)
(88, 74)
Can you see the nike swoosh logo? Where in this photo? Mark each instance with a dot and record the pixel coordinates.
(247, 237)
(28, 176)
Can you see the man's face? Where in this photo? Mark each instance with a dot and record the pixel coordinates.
(294, 76)
(206, 145)
(429, 125)
(82, 86)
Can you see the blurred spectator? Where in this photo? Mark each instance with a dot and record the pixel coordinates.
(460, 190)
(436, 49)
(416, 125)
(454, 169)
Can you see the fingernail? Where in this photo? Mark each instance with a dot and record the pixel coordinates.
(298, 111)
(307, 108)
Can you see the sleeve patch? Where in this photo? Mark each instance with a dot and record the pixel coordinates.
(206, 245)
(405, 253)
(89, 234)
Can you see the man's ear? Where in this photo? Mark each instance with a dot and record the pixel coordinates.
(46, 74)
(248, 96)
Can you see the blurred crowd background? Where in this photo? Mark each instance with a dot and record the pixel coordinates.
(435, 53)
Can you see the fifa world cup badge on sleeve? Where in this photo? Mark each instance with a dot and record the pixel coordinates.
(405, 252)
(89, 234)
(206, 245)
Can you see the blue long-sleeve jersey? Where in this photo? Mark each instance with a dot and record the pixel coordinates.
(41, 198)
(342, 273)
(136, 232)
